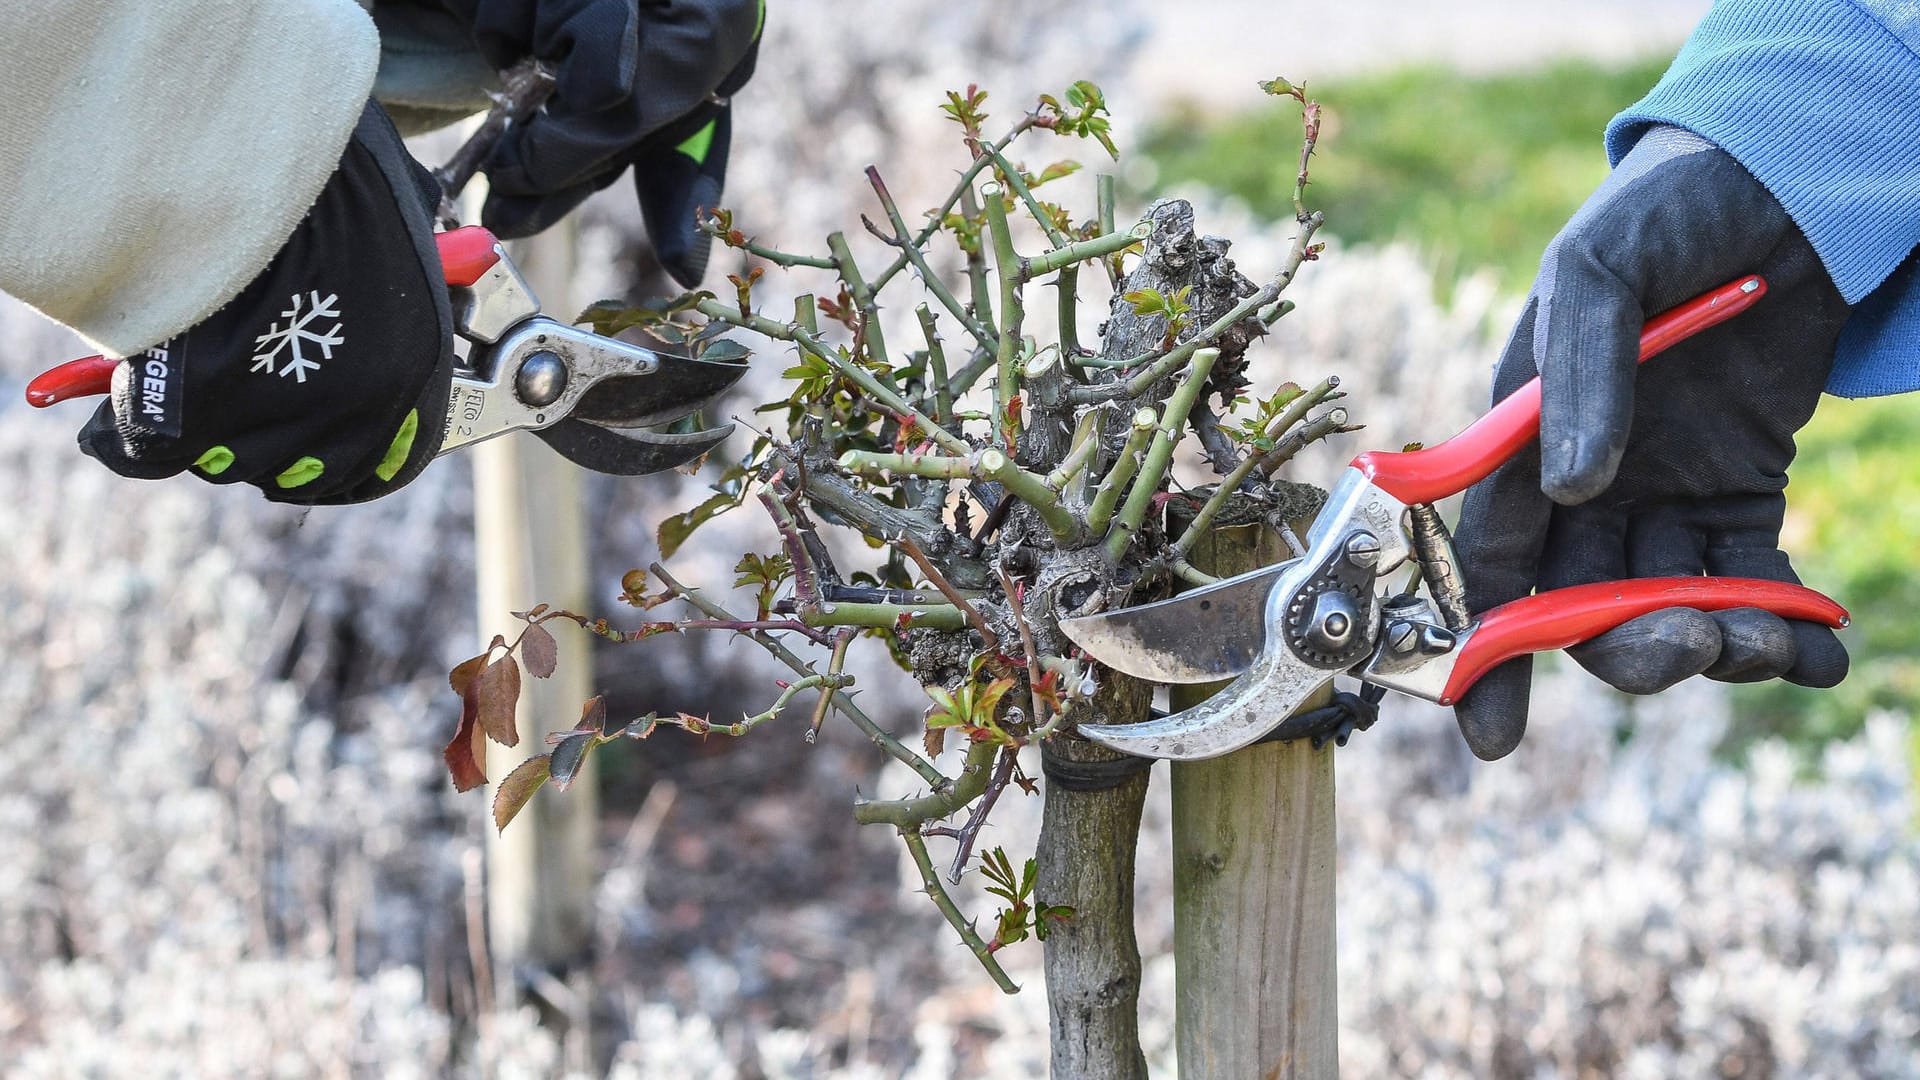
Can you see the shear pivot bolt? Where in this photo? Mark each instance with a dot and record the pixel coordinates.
(1363, 549)
(1332, 622)
(1403, 636)
(541, 380)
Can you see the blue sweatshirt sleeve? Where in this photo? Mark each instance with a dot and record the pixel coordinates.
(1820, 100)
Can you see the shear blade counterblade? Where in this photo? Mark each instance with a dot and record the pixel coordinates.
(681, 387)
(1247, 708)
(1205, 635)
(628, 453)
(1256, 702)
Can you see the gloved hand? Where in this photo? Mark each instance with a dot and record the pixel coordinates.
(326, 379)
(1674, 468)
(639, 83)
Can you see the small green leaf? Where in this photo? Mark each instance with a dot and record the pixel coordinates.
(675, 530)
(988, 700)
(1146, 302)
(610, 317)
(1047, 916)
(516, 788)
(637, 727)
(756, 569)
(725, 351)
(569, 754)
(1053, 172)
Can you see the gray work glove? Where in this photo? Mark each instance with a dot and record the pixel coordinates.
(1674, 468)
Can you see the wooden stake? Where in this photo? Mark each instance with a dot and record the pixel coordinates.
(530, 546)
(1253, 846)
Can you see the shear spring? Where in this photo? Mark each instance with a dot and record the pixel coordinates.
(1433, 549)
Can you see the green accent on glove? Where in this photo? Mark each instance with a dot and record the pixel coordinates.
(760, 20)
(401, 446)
(698, 143)
(215, 461)
(300, 473)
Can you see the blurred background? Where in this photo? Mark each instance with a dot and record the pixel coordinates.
(228, 847)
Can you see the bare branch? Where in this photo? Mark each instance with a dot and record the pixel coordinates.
(1012, 315)
(941, 900)
(524, 88)
(1153, 469)
(913, 812)
(962, 190)
(981, 332)
(970, 832)
(1026, 642)
(841, 701)
(1203, 520)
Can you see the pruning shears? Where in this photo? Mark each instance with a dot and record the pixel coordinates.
(586, 395)
(1284, 631)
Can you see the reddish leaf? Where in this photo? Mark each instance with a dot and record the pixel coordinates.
(633, 587)
(567, 758)
(516, 788)
(498, 692)
(1048, 690)
(538, 649)
(462, 675)
(462, 754)
(593, 717)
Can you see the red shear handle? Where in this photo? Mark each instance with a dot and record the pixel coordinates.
(75, 378)
(1418, 476)
(466, 254)
(1563, 617)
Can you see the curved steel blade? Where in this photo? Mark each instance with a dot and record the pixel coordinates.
(1206, 635)
(628, 453)
(1272, 687)
(680, 387)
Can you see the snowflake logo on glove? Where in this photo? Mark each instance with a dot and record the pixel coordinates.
(299, 331)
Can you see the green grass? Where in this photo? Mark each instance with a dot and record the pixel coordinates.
(1853, 515)
(1480, 172)
(1475, 171)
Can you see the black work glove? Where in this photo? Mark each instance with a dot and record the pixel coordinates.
(326, 379)
(639, 83)
(1676, 468)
